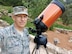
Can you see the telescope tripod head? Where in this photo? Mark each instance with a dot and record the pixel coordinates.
(39, 39)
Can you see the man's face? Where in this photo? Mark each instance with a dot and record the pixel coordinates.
(20, 20)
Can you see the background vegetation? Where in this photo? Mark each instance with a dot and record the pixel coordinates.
(35, 7)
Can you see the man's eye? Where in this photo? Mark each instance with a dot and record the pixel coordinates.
(18, 16)
(25, 16)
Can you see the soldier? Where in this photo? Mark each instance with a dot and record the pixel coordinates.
(14, 39)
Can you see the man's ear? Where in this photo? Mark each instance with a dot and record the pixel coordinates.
(13, 17)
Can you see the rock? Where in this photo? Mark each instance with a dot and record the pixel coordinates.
(65, 31)
(0, 14)
(9, 14)
(57, 32)
(3, 23)
(4, 12)
(56, 41)
(70, 39)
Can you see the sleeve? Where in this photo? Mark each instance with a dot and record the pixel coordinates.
(1, 37)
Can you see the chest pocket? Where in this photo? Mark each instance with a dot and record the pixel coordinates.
(13, 44)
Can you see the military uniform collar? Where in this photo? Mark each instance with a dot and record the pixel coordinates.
(14, 30)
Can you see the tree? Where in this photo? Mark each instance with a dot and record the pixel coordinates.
(67, 16)
(35, 6)
(11, 2)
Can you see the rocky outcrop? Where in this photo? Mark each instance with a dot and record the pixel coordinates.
(3, 23)
(60, 30)
(4, 12)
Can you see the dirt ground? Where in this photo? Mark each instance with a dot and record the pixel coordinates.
(63, 39)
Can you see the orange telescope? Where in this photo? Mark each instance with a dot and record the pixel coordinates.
(49, 15)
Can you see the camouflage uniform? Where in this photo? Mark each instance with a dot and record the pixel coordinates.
(11, 42)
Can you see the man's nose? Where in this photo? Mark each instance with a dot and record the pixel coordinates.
(22, 18)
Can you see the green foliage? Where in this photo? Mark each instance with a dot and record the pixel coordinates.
(67, 16)
(29, 24)
(62, 26)
(7, 19)
(5, 7)
(51, 28)
(9, 10)
(11, 2)
(68, 1)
